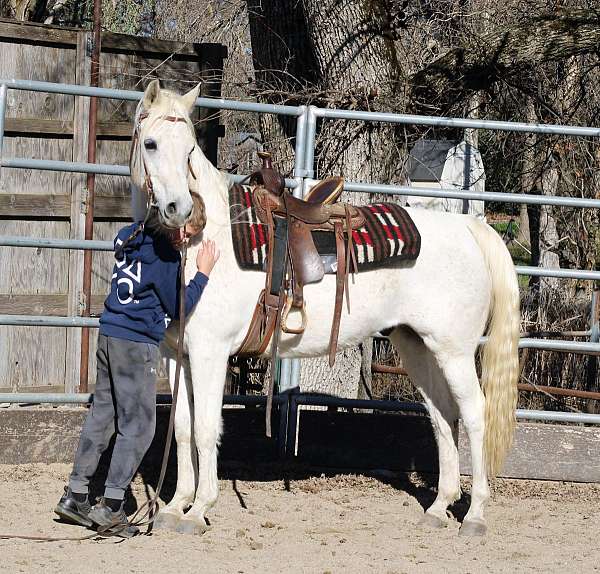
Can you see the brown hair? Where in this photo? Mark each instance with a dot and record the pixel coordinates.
(198, 218)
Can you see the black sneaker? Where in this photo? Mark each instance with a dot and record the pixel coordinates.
(113, 522)
(72, 510)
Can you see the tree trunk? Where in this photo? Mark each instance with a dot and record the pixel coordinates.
(329, 52)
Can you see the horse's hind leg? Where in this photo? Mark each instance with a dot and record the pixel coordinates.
(425, 374)
(461, 374)
(169, 517)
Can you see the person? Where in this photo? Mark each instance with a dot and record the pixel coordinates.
(144, 297)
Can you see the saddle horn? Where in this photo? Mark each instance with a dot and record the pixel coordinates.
(268, 177)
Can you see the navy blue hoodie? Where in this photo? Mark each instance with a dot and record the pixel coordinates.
(144, 290)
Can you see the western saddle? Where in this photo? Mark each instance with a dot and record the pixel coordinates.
(293, 260)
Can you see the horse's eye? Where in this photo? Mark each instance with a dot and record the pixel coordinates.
(150, 144)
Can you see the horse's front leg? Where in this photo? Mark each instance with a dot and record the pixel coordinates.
(208, 361)
(169, 517)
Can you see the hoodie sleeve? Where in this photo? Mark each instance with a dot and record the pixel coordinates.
(167, 289)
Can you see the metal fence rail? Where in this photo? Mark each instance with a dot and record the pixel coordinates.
(306, 125)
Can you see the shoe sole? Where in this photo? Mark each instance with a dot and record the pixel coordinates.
(70, 516)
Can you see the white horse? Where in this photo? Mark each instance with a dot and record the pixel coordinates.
(438, 307)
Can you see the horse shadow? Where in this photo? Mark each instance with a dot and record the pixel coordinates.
(396, 449)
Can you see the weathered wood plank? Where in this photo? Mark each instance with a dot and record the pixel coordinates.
(55, 304)
(37, 33)
(29, 181)
(28, 126)
(112, 42)
(328, 439)
(548, 452)
(112, 207)
(34, 205)
(49, 435)
(33, 355)
(43, 63)
(35, 126)
(540, 451)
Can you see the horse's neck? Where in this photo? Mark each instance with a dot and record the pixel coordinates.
(213, 187)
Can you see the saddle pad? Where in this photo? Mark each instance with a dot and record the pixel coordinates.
(388, 235)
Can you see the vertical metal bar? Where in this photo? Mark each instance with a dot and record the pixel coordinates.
(309, 150)
(300, 147)
(292, 426)
(293, 380)
(284, 375)
(3, 92)
(592, 365)
(91, 183)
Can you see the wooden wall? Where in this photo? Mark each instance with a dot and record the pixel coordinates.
(52, 204)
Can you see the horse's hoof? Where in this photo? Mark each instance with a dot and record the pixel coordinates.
(187, 526)
(166, 521)
(433, 521)
(473, 528)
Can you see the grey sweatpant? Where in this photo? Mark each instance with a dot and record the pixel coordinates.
(125, 403)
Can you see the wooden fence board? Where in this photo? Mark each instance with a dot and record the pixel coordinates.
(78, 208)
(55, 126)
(55, 304)
(548, 452)
(34, 181)
(37, 33)
(35, 126)
(35, 205)
(38, 63)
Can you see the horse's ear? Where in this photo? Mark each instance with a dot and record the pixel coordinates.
(152, 94)
(190, 98)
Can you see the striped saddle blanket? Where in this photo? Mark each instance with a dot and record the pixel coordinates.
(388, 235)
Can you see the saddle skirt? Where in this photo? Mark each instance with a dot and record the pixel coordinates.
(387, 236)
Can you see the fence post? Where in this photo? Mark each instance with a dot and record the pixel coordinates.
(81, 112)
(592, 366)
(3, 91)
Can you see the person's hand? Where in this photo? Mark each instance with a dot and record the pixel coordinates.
(208, 255)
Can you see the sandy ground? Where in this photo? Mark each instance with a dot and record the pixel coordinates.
(338, 523)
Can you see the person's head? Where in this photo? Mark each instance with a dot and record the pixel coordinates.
(194, 226)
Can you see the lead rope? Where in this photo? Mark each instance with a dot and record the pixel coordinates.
(151, 505)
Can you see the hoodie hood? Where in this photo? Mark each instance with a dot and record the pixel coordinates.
(146, 247)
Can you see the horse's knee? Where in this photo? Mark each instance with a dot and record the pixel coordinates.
(207, 435)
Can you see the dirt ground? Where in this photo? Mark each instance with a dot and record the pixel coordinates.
(336, 523)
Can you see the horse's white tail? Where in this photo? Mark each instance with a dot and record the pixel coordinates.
(500, 358)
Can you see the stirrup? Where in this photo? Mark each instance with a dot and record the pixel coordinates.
(286, 312)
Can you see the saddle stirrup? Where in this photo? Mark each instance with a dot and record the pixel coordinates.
(284, 317)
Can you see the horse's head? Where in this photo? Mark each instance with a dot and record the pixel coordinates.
(163, 139)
